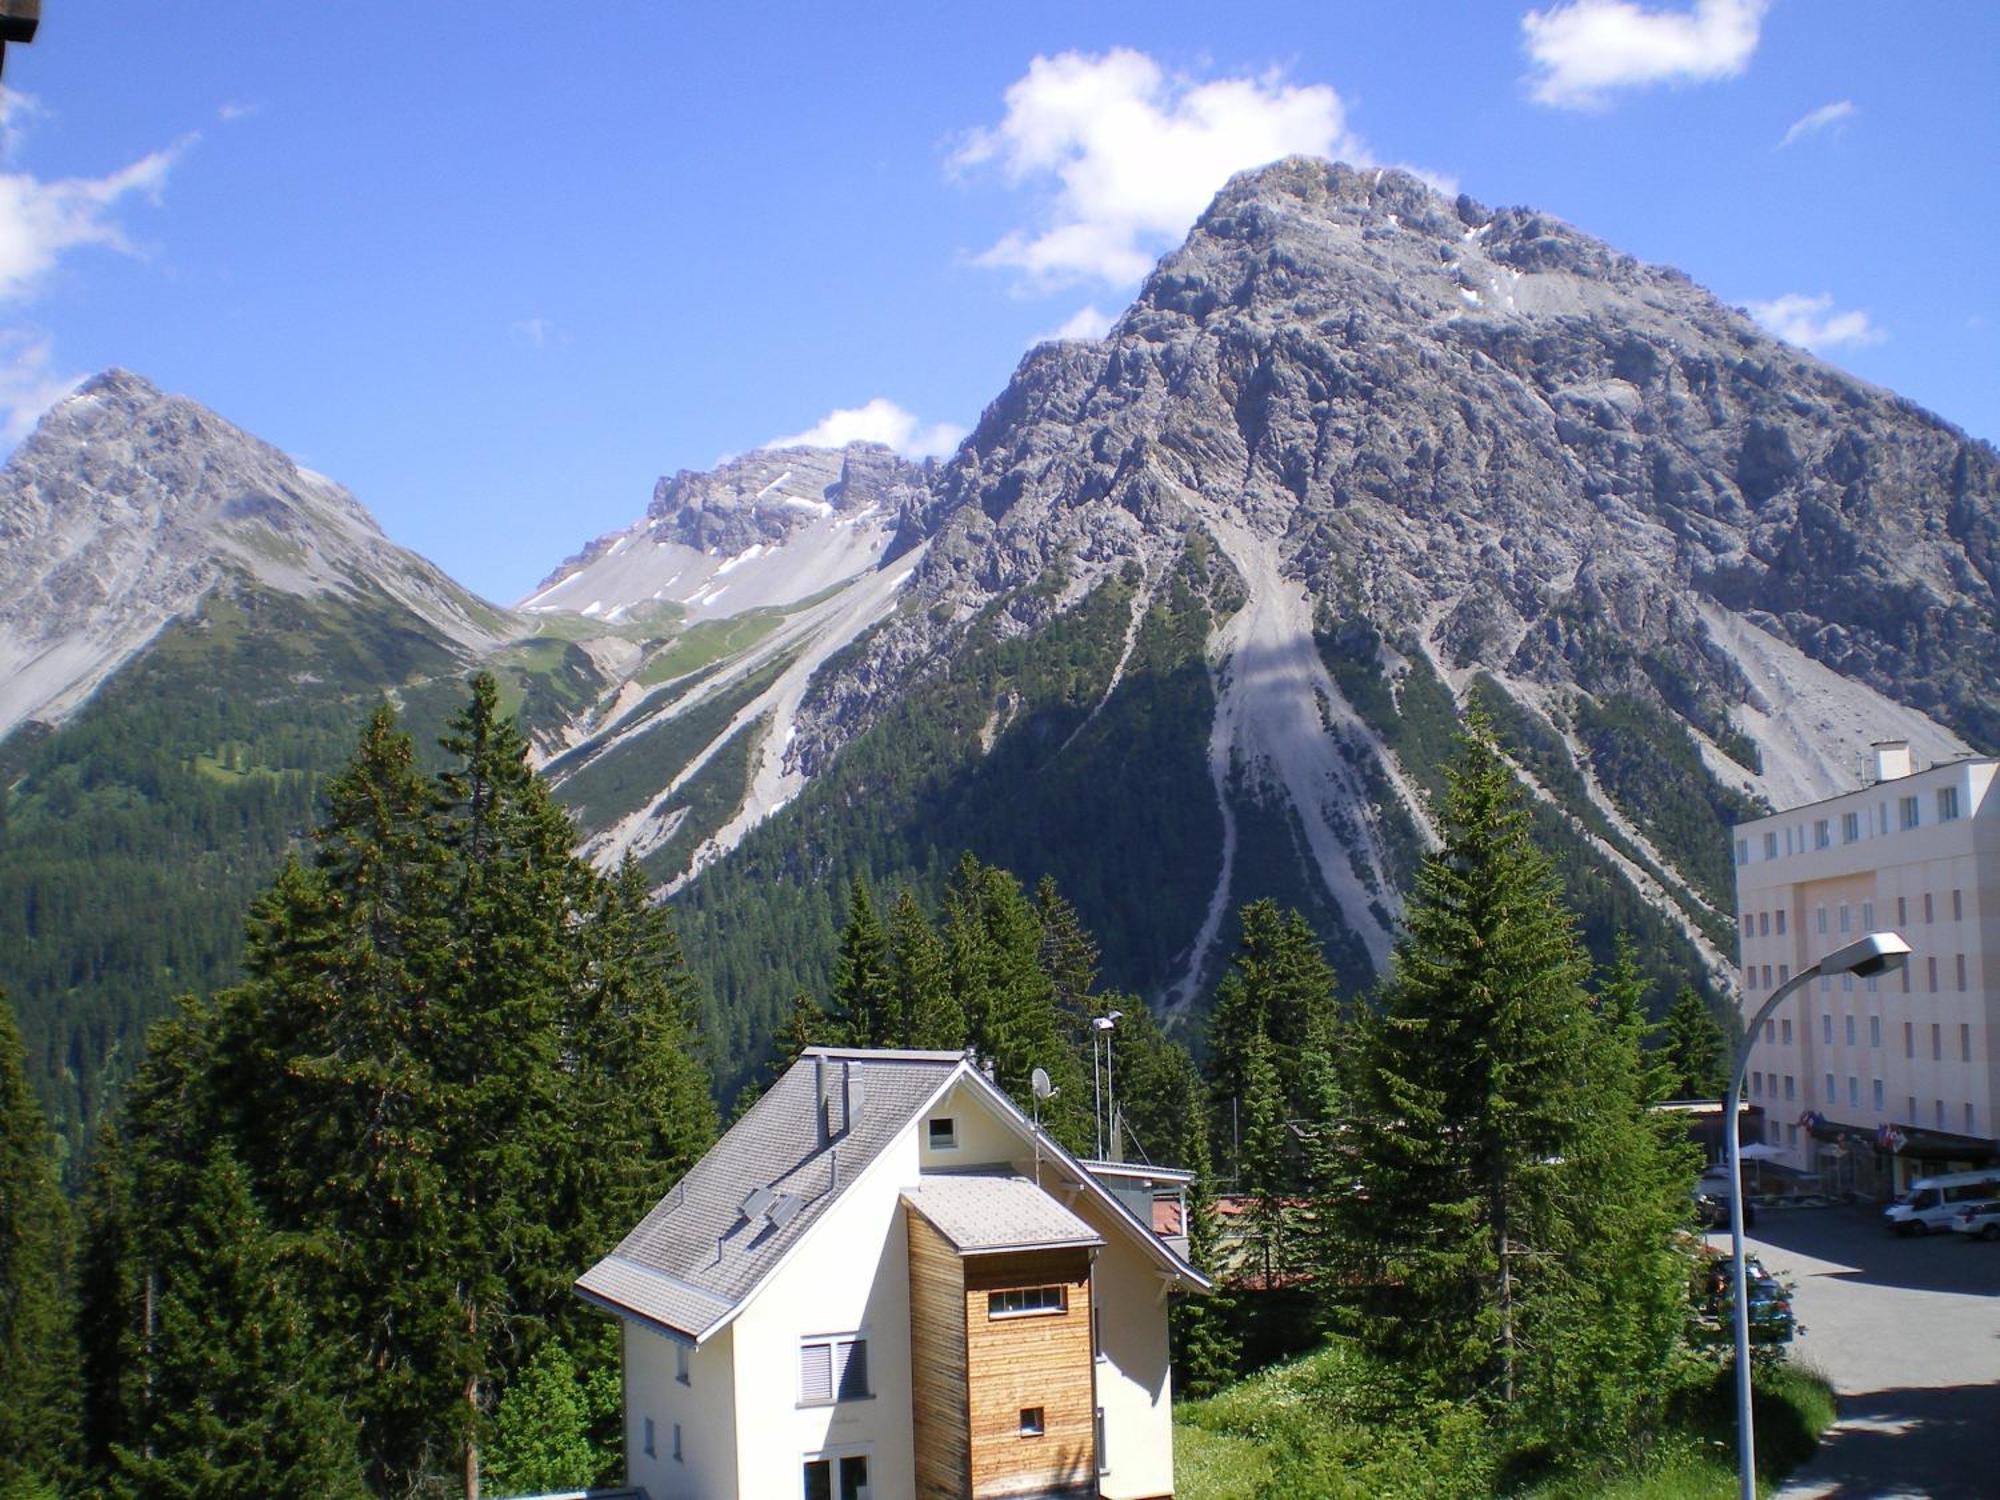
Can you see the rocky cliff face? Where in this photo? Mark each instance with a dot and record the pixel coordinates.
(1485, 443)
(126, 507)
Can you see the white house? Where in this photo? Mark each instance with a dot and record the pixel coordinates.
(883, 1282)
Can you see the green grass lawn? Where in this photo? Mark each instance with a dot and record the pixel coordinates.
(1294, 1432)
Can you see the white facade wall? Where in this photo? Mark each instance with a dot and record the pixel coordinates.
(1915, 1048)
(849, 1275)
(704, 1408)
(1134, 1388)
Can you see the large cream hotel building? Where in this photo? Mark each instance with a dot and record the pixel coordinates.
(1870, 1083)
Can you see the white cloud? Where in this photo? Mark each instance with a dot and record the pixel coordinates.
(29, 384)
(1812, 323)
(1584, 49)
(232, 110)
(1824, 118)
(1129, 155)
(879, 421)
(41, 220)
(534, 332)
(1087, 322)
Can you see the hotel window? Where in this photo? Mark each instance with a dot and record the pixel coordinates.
(1847, 984)
(1767, 977)
(1911, 1113)
(1928, 914)
(1743, 851)
(1905, 972)
(1787, 1033)
(677, 1444)
(1930, 968)
(1825, 983)
(1826, 1029)
(1771, 1031)
(1874, 1031)
(1781, 921)
(648, 1442)
(1947, 803)
(1909, 1039)
(1763, 924)
(1850, 828)
(1907, 810)
(1937, 1110)
(1019, 1302)
(1937, 1042)
(1902, 911)
(1970, 1120)
(833, 1369)
(1791, 1135)
(1958, 906)
(1868, 916)
(1770, 846)
(1784, 972)
(1757, 1084)
(1960, 960)
(1845, 920)
(1850, 1031)
(1830, 1096)
(1853, 1092)
(1819, 918)
(1878, 1096)
(1822, 834)
(1791, 1090)
(1964, 1042)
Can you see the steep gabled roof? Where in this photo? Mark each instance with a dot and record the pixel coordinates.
(694, 1260)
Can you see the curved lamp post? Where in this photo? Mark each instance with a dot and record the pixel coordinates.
(1878, 953)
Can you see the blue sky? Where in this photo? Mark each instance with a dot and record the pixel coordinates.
(496, 267)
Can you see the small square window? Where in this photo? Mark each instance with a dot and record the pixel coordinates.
(1031, 1421)
(943, 1133)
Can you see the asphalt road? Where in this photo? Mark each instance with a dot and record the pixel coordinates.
(1908, 1331)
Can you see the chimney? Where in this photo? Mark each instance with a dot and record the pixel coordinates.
(819, 1096)
(1892, 760)
(857, 1096)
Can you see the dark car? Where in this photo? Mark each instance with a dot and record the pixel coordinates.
(1771, 1318)
(1711, 1206)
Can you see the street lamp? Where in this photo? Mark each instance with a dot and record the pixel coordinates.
(1101, 1026)
(1878, 953)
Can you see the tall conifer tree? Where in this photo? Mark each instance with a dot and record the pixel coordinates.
(38, 1409)
(932, 1018)
(1485, 1088)
(864, 1005)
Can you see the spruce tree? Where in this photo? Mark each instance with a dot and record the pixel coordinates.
(920, 972)
(1480, 1104)
(38, 1363)
(1200, 1327)
(1696, 1048)
(864, 1006)
(237, 1384)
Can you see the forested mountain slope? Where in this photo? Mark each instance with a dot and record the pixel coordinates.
(1186, 621)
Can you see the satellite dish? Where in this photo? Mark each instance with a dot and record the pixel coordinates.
(1040, 1081)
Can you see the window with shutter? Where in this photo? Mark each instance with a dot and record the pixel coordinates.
(816, 1374)
(833, 1369)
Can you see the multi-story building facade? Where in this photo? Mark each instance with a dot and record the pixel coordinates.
(1869, 1083)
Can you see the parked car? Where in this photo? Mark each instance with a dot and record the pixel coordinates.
(1933, 1202)
(1711, 1205)
(1978, 1220)
(1771, 1318)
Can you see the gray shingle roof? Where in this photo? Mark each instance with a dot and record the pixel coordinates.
(979, 1214)
(694, 1259)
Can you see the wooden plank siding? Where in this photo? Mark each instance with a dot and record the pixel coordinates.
(938, 1395)
(1038, 1359)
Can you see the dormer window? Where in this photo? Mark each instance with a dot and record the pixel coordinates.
(943, 1133)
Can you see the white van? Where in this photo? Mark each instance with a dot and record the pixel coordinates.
(1931, 1202)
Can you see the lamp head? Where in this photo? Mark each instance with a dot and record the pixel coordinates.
(1876, 954)
(1105, 1023)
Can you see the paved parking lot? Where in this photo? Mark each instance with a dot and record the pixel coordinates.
(1908, 1331)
